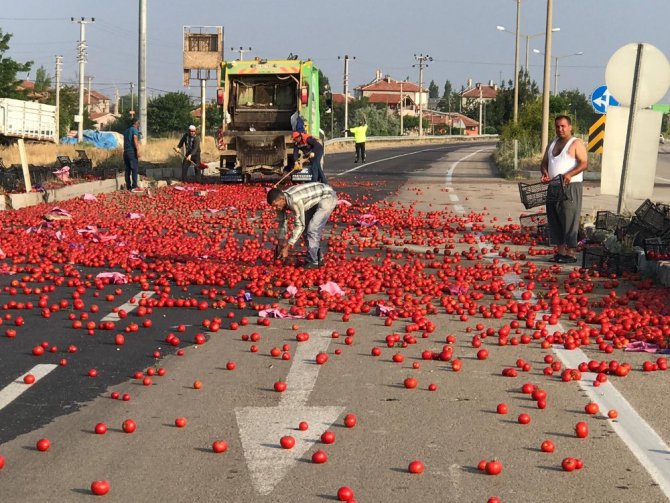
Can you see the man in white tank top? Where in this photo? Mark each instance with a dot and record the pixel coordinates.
(566, 156)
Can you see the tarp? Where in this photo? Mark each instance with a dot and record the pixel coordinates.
(101, 139)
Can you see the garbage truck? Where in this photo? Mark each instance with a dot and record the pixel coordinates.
(28, 120)
(258, 98)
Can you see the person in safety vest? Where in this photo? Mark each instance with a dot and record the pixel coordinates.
(360, 133)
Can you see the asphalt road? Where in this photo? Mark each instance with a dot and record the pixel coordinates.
(450, 429)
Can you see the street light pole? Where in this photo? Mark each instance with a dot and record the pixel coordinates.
(401, 107)
(516, 62)
(422, 62)
(346, 91)
(547, 69)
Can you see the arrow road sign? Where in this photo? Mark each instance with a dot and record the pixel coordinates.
(601, 99)
(262, 427)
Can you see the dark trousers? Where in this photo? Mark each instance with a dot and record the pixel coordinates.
(185, 165)
(360, 151)
(132, 168)
(563, 217)
(316, 170)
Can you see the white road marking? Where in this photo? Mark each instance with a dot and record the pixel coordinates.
(261, 427)
(645, 444)
(447, 178)
(459, 208)
(664, 180)
(15, 389)
(454, 198)
(388, 159)
(128, 306)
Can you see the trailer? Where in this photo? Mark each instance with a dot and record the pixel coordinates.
(258, 98)
(28, 120)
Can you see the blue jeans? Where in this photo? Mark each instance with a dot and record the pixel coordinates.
(132, 168)
(316, 224)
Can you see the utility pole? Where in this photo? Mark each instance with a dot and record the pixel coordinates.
(59, 66)
(401, 106)
(346, 91)
(422, 62)
(516, 62)
(241, 50)
(203, 106)
(142, 71)
(481, 124)
(117, 101)
(547, 71)
(81, 57)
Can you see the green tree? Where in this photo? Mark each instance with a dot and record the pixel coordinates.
(8, 70)
(433, 90)
(170, 113)
(380, 122)
(42, 80)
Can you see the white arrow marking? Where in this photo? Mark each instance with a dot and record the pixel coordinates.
(128, 306)
(262, 427)
(15, 389)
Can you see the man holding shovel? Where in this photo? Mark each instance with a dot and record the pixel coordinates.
(191, 144)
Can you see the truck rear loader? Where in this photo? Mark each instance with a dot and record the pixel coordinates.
(258, 98)
(28, 120)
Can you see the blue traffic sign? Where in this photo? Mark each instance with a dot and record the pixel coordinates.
(601, 99)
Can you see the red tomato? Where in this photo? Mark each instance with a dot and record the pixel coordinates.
(287, 442)
(547, 446)
(612, 414)
(197, 384)
(129, 426)
(493, 467)
(303, 426)
(219, 446)
(591, 408)
(524, 418)
(100, 487)
(482, 354)
(319, 457)
(180, 422)
(231, 365)
(410, 383)
(328, 437)
(43, 444)
(416, 467)
(582, 429)
(2, 462)
(502, 408)
(345, 494)
(29, 379)
(568, 464)
(100, 429)
(280, 386)
(350, 420)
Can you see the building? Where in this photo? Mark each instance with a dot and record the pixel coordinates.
(485, 92)
(450, 123)
(385, 90)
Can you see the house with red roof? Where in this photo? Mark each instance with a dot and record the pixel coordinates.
(394, 94)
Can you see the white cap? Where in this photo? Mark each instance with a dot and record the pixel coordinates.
(191, 127)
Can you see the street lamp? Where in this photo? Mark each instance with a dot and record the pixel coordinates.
(527, 37)
(556, 58)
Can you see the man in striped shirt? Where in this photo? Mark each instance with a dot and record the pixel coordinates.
(311, 203)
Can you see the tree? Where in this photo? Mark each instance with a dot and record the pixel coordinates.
(169, 113)
(433, 90)
(69, 107)
(380, 122)
(448, 89)
(42, 80)
(8, 70)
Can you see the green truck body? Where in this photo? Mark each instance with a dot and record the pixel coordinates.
(258, 99)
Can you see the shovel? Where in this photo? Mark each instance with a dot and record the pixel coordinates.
(296, 167)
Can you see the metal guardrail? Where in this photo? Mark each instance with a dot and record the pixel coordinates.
(403, 139)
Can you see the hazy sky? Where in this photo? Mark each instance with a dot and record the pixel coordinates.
(461, 37)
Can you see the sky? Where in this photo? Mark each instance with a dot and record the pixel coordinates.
(460, 36)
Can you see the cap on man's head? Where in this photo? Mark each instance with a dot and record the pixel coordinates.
(191, 127)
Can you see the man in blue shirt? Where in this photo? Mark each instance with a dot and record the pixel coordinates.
(131, 154)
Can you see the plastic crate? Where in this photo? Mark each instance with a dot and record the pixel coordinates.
(532, 221)
(610, 263)
(606, 220)
(537, 194)
(639, 231)
(664, 208)
(9, 180)
(657, 248)
(653, 217)
(543, 235)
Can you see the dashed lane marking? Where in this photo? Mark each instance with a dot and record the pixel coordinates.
(15, 389)
(128, 306)
(388, 159)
